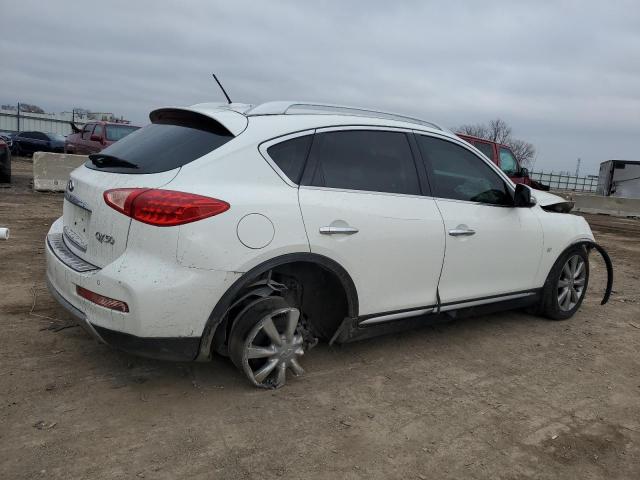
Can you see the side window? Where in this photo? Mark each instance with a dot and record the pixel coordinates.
(370, 160)
(458, 174)
(40, 136)
(291, 155)
(86, 131)
(508, 163)
(98, 131)
(485, 148)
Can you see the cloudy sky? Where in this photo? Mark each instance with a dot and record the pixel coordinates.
(564, 74)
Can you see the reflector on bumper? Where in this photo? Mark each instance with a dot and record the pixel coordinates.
(101, 300)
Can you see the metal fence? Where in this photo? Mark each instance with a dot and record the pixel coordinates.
(561, 181)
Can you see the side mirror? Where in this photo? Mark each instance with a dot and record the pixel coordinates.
(524, 172)
(522, 196)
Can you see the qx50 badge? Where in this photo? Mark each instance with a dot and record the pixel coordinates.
(104, 238)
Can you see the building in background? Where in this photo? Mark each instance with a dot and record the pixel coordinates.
(24, 117)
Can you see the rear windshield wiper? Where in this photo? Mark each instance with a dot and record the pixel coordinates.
(102, 160)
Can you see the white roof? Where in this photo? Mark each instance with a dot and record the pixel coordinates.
(234, 116)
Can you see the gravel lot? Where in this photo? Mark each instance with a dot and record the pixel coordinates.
(502, 396)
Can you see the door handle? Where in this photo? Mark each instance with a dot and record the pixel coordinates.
(338, 230)
(462, 232)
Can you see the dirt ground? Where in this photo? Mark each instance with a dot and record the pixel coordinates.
(502, 396)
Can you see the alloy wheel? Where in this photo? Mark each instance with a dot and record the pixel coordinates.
(571, 283)
(272, 347)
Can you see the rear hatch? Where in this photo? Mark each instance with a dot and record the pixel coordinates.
(147, 158)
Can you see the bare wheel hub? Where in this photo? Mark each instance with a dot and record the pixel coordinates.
(272, 347)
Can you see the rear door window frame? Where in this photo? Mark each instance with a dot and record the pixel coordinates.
(312, 162)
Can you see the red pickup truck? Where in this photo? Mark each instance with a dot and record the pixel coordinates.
(96, 136)
(504, 158)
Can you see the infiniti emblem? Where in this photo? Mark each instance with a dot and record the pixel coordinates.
(70, 185)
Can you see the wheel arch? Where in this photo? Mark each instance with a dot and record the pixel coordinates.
(326, 263)
(588, 244)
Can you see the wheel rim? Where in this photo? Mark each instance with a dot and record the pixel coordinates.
(272, 347)
(571, 283)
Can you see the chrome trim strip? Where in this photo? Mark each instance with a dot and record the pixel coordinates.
(68, 236)
(395, 316)
(473, 303)
(55, 241)
(76, 201)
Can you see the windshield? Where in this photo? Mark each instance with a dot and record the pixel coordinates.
(56, 136)
(118, 132)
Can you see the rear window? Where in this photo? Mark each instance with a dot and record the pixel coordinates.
(118, 132)
(171, 142)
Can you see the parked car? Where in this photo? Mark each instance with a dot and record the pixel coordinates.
(95, 136)
(27, 143)
(5, 161)
(503, 156)
(254, 232)
(8, 138)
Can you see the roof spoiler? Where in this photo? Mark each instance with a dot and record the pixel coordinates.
(233, 123)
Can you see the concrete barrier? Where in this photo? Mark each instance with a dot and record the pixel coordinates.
(618, 207)
(51, 170)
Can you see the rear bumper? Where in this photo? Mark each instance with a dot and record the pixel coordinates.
(179, 349)
(168, 304)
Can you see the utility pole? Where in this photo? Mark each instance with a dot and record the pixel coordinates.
(18, 116)
(578, 167)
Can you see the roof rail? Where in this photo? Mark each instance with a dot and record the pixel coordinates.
(306, 108)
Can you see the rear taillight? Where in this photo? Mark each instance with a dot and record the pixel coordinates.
(163, 208)
(101, 300)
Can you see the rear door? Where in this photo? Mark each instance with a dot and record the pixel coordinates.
(363, 206)
(492, 248)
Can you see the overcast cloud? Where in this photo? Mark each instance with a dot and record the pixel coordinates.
(565, 75)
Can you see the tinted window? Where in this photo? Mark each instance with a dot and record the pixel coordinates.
(99, 130)
(158, 147)
(508, 162)
(118, 132)
(291, 155)
(26, 135)
(456, 173)
(375, 161)
(40, 136)
(485, 148)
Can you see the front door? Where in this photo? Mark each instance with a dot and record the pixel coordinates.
(492, 248)
(363, 206)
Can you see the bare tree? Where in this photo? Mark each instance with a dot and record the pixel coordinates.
(499, 131)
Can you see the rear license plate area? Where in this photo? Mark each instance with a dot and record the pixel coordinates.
(76, 226)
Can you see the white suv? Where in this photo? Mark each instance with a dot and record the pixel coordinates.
(255, 231)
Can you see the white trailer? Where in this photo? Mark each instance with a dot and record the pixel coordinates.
(619, 178)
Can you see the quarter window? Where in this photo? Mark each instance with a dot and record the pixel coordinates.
(370, 160)
(291, 155)
(458, 174)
